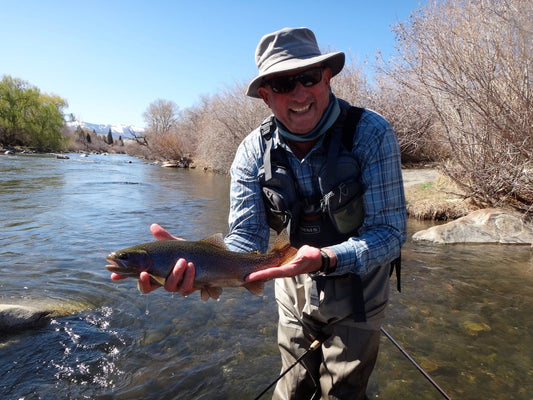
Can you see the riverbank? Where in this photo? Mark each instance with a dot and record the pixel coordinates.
(429, 195)
(432, 196)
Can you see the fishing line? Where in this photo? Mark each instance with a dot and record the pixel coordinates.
(426, 375)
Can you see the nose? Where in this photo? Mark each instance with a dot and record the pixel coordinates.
(299, 91)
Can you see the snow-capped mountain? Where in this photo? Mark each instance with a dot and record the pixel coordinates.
(103, 129)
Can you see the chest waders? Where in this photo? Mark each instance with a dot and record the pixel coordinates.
(332, 217)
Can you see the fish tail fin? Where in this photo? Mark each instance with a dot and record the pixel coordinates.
(283, 245)
(289, 255)
(282, 242)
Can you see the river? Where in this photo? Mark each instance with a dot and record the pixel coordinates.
(464, 313)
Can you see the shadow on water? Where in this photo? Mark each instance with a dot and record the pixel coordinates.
(463, 314)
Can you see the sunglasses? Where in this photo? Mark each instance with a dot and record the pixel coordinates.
(286, 84)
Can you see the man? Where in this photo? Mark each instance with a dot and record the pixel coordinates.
(330, 174)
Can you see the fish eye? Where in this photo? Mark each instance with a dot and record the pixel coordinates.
(122, 256)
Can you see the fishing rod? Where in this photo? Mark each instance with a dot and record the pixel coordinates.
(317, 343)
(426, 375)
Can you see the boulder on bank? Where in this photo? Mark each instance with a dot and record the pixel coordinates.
(489, 225)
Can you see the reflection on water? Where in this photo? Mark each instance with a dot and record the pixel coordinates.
(463, 314)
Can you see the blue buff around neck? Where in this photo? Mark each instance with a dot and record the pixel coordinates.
(328, 118)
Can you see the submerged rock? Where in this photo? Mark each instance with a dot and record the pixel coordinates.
(489, 225)
(17, 317)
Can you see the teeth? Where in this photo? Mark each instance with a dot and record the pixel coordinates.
(302, 109)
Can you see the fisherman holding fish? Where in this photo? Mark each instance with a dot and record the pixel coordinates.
(329, 174)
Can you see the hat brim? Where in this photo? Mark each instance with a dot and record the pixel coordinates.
(335, 61)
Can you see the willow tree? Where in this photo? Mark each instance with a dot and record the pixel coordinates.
(29, 117)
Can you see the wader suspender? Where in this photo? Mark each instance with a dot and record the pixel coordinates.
(350, 124)
(267, 128)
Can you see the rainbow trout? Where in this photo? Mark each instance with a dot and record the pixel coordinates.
(215, 265)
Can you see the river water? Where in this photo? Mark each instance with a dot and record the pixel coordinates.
(464, 313)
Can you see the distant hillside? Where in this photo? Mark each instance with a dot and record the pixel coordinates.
(116, 130)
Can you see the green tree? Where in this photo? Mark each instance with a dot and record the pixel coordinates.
(29, 118)
(109, 139)
(46, 123)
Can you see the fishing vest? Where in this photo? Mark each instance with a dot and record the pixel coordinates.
(337, 212)
(332, 217)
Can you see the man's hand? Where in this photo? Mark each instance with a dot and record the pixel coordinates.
(181, 278)
(307, 260)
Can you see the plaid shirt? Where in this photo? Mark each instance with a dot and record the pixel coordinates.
(384, 228)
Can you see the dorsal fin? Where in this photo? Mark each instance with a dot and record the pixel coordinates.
(216, 240)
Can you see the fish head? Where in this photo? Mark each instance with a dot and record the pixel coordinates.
(129, 262)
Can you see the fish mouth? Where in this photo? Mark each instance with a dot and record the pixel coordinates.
(120, 267)
(113, 267)
(116, 266)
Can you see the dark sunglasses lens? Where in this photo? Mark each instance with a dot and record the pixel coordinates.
(310, 77)
(283, 84)
(286, 84)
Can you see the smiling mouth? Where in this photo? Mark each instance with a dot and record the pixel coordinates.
(301, 109)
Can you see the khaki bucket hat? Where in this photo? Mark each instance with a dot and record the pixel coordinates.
(290, 49)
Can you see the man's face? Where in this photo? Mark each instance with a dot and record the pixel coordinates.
(301, 109)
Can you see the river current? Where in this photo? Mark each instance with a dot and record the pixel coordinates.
(464, 313)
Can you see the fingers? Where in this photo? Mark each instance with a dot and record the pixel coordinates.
(181, 279)
(162, 234)
(144, 284)
(307, 260)
(268, 274)
(117, 277)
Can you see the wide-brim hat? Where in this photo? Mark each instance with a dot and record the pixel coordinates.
(290, 49)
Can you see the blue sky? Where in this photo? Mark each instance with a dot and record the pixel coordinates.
(110, 59)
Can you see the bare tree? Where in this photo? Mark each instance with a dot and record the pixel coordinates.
(162, 134)
(160, 116)
(351, 84)
(471, 60)
(226, 119)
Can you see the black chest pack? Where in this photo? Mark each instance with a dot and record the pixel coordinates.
(334, 215)
(336, 212)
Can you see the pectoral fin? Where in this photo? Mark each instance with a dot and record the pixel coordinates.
(157, 280)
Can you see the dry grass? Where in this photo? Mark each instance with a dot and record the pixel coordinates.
(440, 200)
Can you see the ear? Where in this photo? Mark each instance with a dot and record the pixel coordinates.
(263, 92)
(326, 75)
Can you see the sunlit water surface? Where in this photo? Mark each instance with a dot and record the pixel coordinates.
(464, 313)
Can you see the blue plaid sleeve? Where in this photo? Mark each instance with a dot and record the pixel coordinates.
(385, 224)
(248, 230)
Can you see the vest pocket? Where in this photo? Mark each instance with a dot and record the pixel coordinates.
(344, 206)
